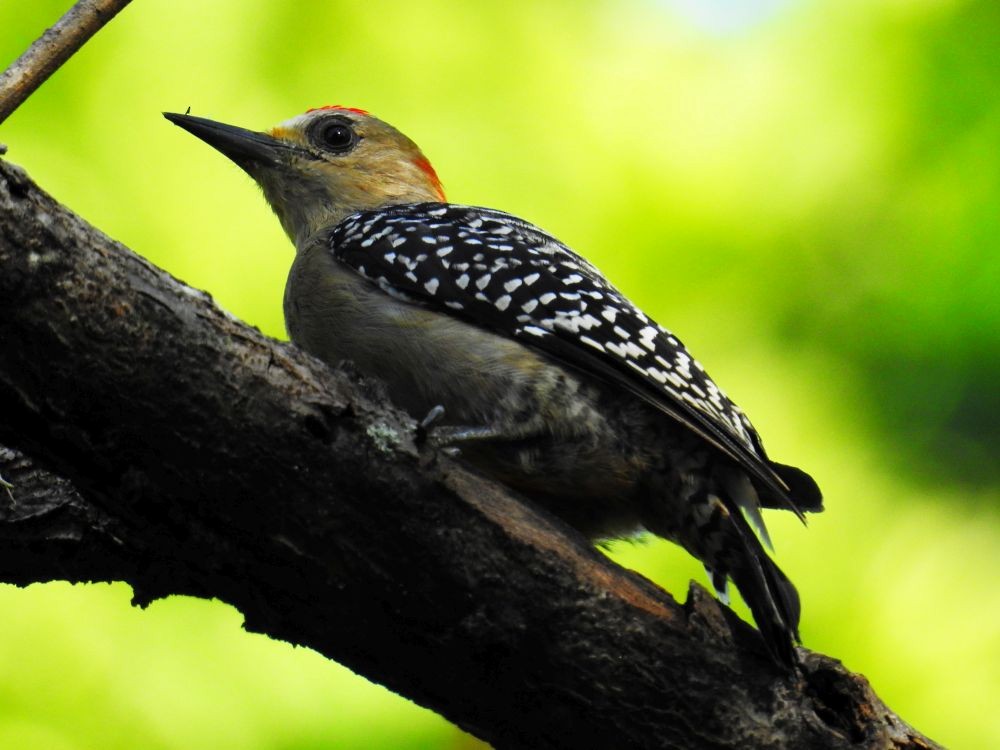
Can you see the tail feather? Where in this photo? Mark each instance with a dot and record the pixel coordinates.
(721, 506)
(720, 582)
(772, 598)
(774, 603)
(740, 489)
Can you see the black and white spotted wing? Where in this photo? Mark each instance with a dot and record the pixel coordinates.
(507, 275)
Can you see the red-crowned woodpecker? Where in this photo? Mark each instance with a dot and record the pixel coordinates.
(550, 379)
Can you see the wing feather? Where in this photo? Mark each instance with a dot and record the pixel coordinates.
(507, 275)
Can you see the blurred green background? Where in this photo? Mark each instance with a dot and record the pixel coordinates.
(807, 191)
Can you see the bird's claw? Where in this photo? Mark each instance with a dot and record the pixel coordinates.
(7, 487)
(434, 415)
(443, 438)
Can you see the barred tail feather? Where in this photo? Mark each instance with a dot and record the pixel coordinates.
(721, 505)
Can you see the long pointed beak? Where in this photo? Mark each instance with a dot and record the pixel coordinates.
(245, 147)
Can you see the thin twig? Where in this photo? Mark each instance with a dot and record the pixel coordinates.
(52, 49)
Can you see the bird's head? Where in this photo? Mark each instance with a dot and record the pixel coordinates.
(317, 168)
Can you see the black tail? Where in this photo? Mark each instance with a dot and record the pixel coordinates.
(767, 591)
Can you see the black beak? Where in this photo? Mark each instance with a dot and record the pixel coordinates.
(245, 147)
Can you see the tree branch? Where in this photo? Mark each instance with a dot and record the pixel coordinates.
(52, 49)
(207, 459)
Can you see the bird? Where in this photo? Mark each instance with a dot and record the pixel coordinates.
(518, 352)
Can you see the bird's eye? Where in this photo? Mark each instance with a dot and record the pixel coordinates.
(336, 136)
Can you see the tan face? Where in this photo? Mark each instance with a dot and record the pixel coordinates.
(341, 161)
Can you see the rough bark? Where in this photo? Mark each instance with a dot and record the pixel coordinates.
(191, 454)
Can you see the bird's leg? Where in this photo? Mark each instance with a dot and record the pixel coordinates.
(446, 437)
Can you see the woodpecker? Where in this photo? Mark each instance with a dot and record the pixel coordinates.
(550, 379)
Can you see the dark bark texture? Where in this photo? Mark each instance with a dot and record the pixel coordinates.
(156, 440)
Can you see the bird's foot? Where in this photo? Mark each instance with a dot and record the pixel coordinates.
(425, 424)
(445, 437)
(441, 440)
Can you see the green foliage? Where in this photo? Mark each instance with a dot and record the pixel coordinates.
(808, 192)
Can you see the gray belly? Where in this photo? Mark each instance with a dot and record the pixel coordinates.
(566, 442)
